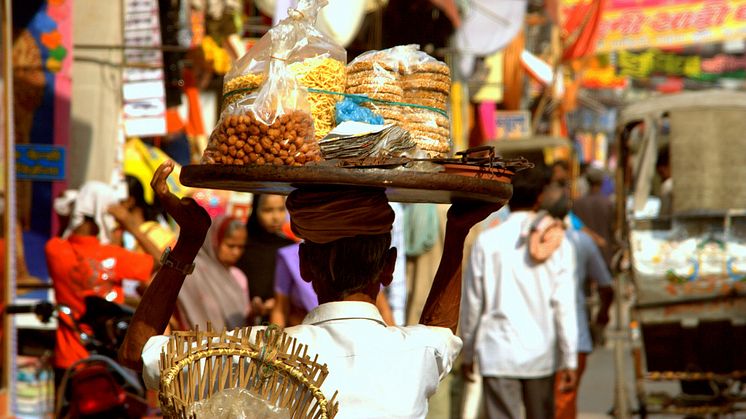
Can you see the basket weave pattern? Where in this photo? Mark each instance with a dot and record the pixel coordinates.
(273, 367)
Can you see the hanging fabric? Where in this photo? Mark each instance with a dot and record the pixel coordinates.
(580, 29)
(513, 75)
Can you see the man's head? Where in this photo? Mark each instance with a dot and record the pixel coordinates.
(555, 201)
(135, 200)
(347, 266)
(595, 178)
(89, 215)
(561, 172)
(663, 164)
(347, 233)
(528, 186)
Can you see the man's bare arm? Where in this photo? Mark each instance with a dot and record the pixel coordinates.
(159, 301)
(444, 301)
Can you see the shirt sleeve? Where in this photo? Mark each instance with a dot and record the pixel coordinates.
(447, 347)
(471, 300)
(283, 276)
(134, 265)
(564, 307)
(596, 267)
(151, 357)
(396, 292)
(56, 251)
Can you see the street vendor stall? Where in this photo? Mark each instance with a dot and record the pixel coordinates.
(687, 263)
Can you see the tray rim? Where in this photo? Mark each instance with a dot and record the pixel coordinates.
(464, 187)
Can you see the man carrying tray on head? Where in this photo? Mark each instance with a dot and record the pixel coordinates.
(379, 371)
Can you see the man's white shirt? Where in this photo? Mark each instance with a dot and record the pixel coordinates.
(518, 317)
(379, 371)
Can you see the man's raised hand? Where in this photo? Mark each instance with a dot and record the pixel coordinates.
(191, 218)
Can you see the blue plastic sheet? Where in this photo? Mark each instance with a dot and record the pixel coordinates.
(350, 110)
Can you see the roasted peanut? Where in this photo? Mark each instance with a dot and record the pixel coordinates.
(242, 139)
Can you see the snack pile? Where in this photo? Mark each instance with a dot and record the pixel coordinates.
(315, 59)
(273, 125)
(397, 79)
(246, 140)
(322, 73)
(293, 88)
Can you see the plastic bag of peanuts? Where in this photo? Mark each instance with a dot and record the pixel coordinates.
(272, 125)
(315, 59)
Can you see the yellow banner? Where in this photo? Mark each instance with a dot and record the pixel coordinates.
(644, 64)
(640, 24)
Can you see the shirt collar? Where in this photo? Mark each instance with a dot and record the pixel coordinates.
(343, 310)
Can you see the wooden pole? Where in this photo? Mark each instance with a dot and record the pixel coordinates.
(621, 406)
(555, 123)
(9, 332)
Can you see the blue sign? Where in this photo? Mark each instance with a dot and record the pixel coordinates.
(40, 162)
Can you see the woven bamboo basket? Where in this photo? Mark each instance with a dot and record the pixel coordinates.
(273, 367)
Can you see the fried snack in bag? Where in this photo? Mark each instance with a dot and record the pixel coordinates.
(409, 88)
(270, 126)
(316, 60)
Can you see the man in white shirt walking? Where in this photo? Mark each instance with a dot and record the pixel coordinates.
(589, 267)
(518, 314)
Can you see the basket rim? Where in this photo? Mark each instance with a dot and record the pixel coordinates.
(280, 367)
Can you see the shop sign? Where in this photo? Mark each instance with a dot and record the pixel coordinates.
(40, 162)
(640, 24)
(143, 90)
(512, 124)
(654, 62)
(644, 64)
(722, 63)
(599, 73)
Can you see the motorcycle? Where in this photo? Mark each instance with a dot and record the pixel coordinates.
(97, 386)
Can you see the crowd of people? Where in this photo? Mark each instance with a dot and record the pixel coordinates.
(524, 323)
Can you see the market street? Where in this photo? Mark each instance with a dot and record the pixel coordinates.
(365, 209)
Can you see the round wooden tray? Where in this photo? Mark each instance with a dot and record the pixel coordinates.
(400, 185)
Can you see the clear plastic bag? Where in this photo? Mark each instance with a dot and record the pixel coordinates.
(376, 75)
(409, 88)
(236, 403)
(315, 59)
(270, 126)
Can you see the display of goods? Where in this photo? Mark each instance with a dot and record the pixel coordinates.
(316, 60)
(272, 125)
(321, 73)
(409, 88)
(240, 87)
(246, 140)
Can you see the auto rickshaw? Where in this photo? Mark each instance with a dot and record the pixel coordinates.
(686, 260)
